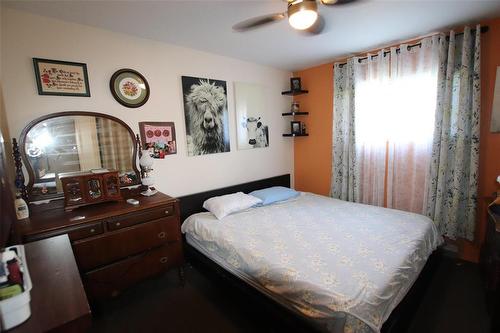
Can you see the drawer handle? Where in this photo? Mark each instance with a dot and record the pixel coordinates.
(118, 224)
(92, 230)
(167, 212)
(162, 234)
(163, 260)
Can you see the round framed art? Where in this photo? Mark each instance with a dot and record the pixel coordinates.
(129, 88)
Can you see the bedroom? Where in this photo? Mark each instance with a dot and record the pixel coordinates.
(215, 94)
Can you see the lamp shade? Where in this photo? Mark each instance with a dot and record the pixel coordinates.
(302, 15)
(146, 161)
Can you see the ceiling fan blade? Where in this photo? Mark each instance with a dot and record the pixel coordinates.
(337, 2)
(258, 21)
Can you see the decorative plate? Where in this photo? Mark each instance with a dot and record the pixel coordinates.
(129, 88)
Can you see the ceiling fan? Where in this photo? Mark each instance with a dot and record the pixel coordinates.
(302, 15)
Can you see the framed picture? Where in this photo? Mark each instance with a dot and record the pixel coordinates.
(251, 127)
(206, 116)
(295, 107)
(296, 127)
(129, 88)
(61, 78)
(295, 84)
(158, 138)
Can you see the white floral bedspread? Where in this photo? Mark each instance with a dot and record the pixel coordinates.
(323, 255)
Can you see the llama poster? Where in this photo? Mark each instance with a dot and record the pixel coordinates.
(252, 131)
(205, 112)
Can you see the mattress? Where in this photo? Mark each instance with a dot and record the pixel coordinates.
(321, 256)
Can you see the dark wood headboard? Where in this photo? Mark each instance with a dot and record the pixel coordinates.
(193, 203)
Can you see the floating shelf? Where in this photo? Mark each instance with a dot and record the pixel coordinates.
(294, 92)
(295, 114)
(291, 134)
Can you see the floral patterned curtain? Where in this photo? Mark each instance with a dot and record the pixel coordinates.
(452, 194)
(345, 173)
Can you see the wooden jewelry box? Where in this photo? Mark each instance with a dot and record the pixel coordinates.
(86, 188)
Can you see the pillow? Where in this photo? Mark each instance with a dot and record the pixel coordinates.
(274, 194)
(230, 203)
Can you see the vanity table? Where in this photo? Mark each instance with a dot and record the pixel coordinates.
(115, 244)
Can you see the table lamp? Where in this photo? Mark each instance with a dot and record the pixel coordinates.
(146, 162)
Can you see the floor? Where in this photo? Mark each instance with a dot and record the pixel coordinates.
(453, 303)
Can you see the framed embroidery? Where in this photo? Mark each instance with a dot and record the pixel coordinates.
(129, 88)
(61, 78)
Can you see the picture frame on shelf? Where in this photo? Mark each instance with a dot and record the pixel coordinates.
(295, 107)
(61, 78)
(295, 127)
(295, 84)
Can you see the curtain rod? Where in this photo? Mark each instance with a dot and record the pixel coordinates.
(483, 30)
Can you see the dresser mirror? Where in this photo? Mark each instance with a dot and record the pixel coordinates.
(69, 142)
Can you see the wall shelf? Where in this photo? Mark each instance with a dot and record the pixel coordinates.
(295, 114)
(294, 92)
(293, 135)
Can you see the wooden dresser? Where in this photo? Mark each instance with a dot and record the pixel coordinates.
(115, 244)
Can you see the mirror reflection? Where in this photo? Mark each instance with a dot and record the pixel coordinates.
(78, 143)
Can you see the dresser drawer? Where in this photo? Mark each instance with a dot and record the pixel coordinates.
(86, 231)
(117, 245)
(110, 280)
(127, 220)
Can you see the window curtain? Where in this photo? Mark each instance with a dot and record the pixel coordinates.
(452, 194)
(406, 129)
(383, 126)
(345, 172)
(413, 91)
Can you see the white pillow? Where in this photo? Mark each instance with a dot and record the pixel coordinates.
(230, 203)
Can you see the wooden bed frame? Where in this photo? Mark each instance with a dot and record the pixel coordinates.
(398, 321)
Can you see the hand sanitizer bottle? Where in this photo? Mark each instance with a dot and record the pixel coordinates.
(22, 211)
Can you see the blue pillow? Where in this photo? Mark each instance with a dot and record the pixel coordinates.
(274, 194)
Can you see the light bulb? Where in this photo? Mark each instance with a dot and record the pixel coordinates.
(302, 14)
(303, 19)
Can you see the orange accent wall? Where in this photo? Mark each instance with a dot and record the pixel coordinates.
(313, 154)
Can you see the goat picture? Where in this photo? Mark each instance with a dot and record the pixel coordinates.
(205, 112)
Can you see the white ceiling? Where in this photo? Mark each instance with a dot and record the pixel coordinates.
(206, 25)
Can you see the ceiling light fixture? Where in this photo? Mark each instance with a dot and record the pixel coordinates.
(302, 14)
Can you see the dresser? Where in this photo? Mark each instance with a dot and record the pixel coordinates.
(490, 264)
(58, 302)
(115, 244)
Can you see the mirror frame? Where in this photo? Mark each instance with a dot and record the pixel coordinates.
(29, 168)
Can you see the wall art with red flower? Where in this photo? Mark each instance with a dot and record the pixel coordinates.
(61, 78)
(158, 138)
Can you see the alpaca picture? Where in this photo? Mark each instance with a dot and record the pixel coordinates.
(205, 111)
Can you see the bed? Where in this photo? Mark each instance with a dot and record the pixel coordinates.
(335, 265)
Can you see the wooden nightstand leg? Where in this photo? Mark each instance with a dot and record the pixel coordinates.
(182, 278)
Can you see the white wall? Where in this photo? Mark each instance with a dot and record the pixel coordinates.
(25, 36)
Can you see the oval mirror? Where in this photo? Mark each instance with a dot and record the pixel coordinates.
(69, 142)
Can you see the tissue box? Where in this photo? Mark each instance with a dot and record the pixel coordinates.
(15, 310)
